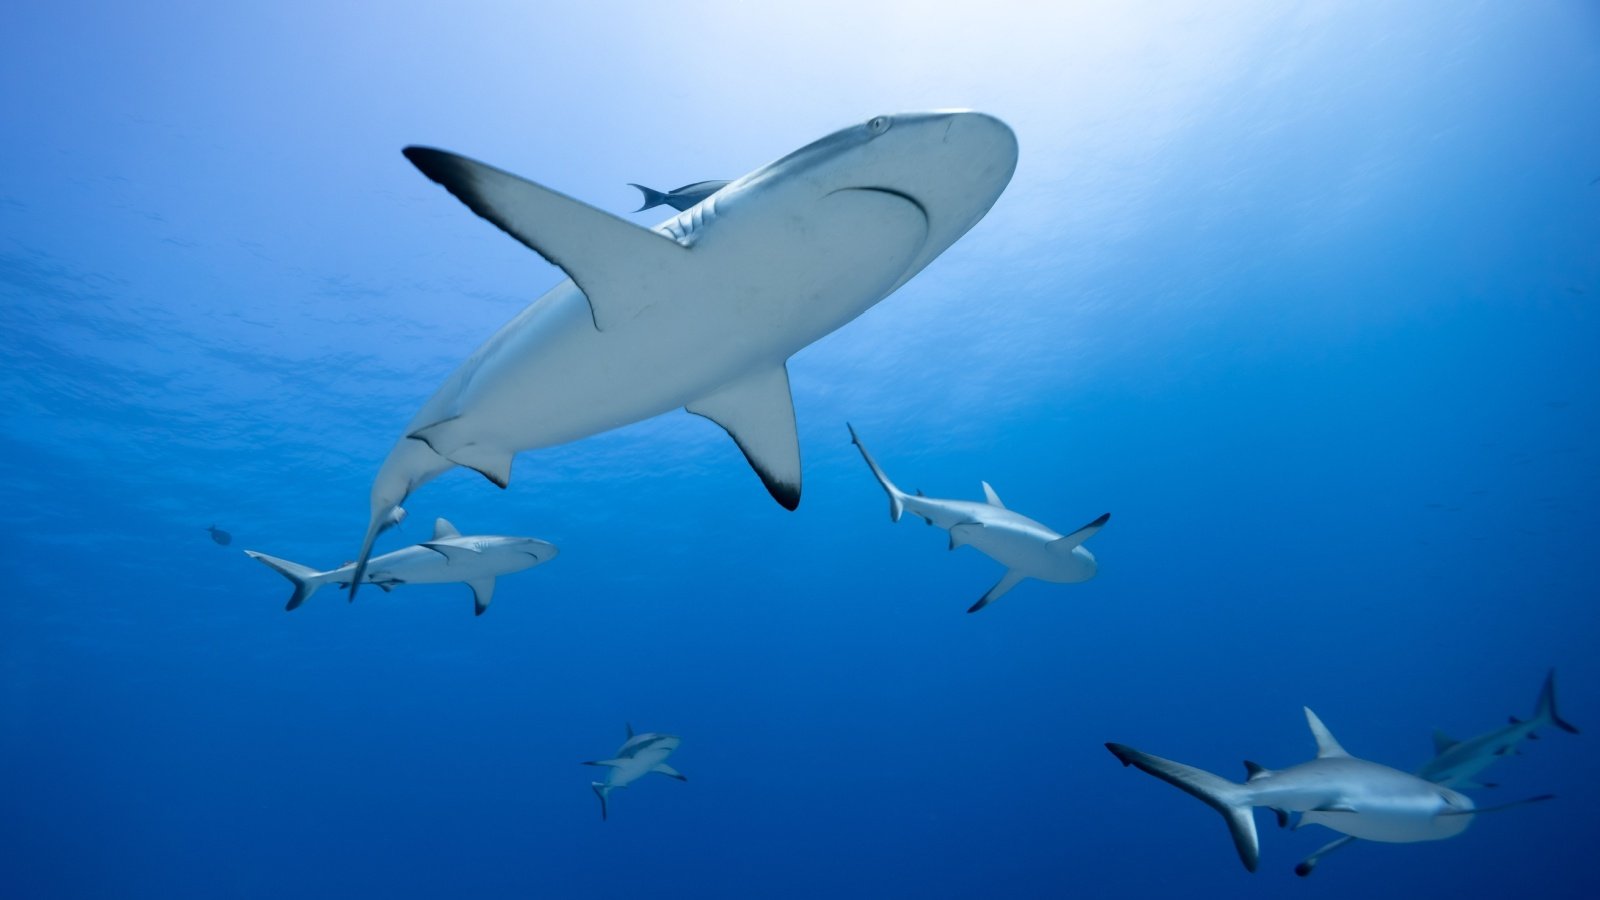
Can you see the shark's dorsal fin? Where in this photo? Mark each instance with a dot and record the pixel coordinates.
(613, 261)
(757, 411)
(482, 594)
(1067, 542)
(629, 726)
(991, 496)
(1253, 770)
(1326, 744)
(443, 530)
(1442, 742)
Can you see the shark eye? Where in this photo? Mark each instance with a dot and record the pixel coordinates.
(879, 124)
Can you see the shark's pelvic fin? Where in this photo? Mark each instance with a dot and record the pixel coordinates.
(1011, 579)
(757, 411)
(991, 496)
(1326, 744)
(1067, 542)
(482, 594)
(962, 533)
(613, 261)
(668, 771)
(1222, 795)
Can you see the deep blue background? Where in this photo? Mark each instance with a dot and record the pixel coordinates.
(1307, 299)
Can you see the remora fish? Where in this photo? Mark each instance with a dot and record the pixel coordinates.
(1457, 763)
(703, 311)
(681, 198)
(1351, 796)
(1026, 548)
(639, 756)
(475, 560)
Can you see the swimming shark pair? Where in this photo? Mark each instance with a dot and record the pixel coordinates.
(1457, 764)
(475, 560)
(701, 312)
(1026, 548)
(638, 756)
(1355, 797)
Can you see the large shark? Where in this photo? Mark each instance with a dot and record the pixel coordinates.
(703, 311)
(449, 557)
(1352, 796)
(679, 199)
(1456, 764)
(1026, 548)
(639, 755)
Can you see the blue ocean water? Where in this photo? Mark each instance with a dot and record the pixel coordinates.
(1306, 297)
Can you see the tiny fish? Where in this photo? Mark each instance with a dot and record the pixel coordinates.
(220, 536)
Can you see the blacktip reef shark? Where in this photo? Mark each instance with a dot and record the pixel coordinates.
(703, 311)
(639, 755)
(681, 198)
(1026, 548)
(476, 560)
(1352, 796)
(1457, 764)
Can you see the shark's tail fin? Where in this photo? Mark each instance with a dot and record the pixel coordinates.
(652, 198)
(897, 504)
(1222, 795)
(601, 790)
(305, 579)
(1546, 711)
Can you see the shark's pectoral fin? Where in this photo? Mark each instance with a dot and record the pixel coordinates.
(962, 533)
(457, 442)
(618, 265)
(757, 411)
(1066, 543)
(482, 594)
(668, 771)
(605, 762)
(451, 552)
(1007, 581)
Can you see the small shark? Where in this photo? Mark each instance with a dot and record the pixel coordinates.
(474, 559)
(1352, 796)
(1026, 548)
(679, 199)
(639, 756)
(220, 536)
(1456, 764)
(703, 311)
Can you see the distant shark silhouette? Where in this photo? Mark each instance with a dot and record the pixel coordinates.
(679, 199)
(1457, 763)
(703, 311)
(1026, 548)
(1349, 795)
(475, 560)
(220, 536)
(639, 756)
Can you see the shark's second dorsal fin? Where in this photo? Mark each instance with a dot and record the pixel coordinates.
(1442, 742)
(991, 496)
(613, 261)
(1327, 745)
(757, 411)
(442, 529)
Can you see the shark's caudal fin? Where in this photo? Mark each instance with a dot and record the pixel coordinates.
(897, 505)
(1229, 799)
(652, 198)
(305, 579)
(1546, 709)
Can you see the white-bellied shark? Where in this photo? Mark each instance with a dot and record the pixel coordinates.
(681, 198)
(703, 311)
(475, 559)
(639, 755)
(1026, 548)
(1349, 795)
(1457, 764)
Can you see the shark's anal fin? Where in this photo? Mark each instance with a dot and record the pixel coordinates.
(962, 533)
(668, 771)
(618, 265)
(1011, 579)
(482, 594)
(757, 411)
